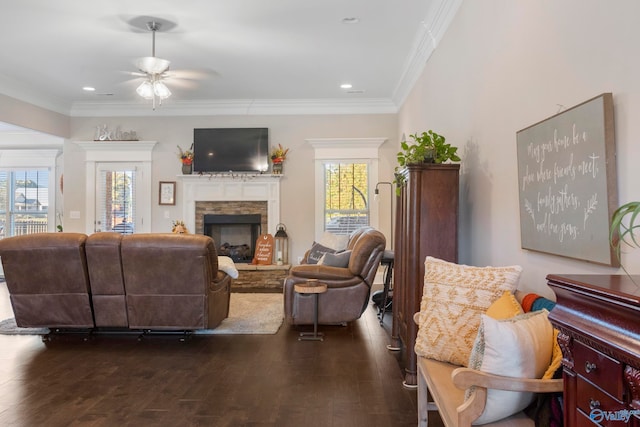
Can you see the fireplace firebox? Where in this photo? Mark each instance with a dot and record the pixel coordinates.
(235, 235)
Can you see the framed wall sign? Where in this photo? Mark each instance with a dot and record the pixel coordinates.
(567, 182)
(167, 193)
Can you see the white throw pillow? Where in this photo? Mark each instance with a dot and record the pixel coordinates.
(519, 347)
(227, 265)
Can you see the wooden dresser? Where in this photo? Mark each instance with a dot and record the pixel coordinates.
(426, 224)
(599, 321)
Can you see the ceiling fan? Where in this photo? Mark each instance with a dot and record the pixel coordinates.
(154, 70)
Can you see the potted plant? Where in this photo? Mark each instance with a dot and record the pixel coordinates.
(624, 226)
(427, 147)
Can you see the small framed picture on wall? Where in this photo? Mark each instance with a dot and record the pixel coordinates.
(167, 193)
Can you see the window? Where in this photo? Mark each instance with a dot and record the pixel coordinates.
(116, 207)
(346, 206)
(346, 170)
(24, 202)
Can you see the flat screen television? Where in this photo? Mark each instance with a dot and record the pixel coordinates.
(231, 150)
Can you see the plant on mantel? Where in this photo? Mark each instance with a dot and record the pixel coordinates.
(427, 147)
(185, 156)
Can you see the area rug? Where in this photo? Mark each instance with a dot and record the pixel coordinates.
(9, 327)
(260, 313)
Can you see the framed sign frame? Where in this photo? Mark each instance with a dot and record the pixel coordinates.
(167, 193)
(567, 182)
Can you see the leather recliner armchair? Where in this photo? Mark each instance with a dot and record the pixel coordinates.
(348, 288)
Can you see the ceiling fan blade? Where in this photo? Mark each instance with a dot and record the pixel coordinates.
(152, 65)
(191, 74)
(182, 84)
(136, 73)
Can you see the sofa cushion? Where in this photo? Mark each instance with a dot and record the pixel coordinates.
(519, 347)
(340, 259)
(317, 251)
(453, 299)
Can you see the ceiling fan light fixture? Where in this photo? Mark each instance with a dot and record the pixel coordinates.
(161, 90)
(146, 90)
(153, 65)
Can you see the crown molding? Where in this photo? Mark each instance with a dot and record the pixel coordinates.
(237, 107)
(433, 28)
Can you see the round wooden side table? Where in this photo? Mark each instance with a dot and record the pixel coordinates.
(312, 286)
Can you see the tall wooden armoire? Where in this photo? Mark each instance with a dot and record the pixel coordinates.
(426, 225)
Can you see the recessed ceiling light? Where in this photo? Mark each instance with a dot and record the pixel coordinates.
(89, 89)
(350, 20)
(346, 86)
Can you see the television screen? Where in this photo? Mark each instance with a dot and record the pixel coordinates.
(231, 150)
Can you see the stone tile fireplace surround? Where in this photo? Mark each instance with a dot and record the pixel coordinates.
(235, 195)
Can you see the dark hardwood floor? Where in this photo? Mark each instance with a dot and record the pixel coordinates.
(349, 380)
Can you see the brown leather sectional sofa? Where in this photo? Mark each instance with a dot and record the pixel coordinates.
(109, 281)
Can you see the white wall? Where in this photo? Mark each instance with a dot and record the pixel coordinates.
(30, 116)
(504, 65)
(297, 184)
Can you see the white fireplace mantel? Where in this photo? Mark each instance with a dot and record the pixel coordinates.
(230, 187)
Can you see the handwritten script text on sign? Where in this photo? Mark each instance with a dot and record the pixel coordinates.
(559, 175)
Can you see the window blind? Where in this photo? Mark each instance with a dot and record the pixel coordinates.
(346, 206)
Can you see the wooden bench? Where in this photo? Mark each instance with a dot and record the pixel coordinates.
(446, 384)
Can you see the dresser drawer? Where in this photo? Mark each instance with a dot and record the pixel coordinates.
(599, 369)
(592, 401)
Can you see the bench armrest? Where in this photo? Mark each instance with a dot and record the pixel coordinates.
(464, 378)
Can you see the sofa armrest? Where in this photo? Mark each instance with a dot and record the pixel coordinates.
(221, 280)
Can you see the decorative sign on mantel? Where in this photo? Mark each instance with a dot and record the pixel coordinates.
(567, 182)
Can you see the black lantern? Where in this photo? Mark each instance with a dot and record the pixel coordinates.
(282, 245)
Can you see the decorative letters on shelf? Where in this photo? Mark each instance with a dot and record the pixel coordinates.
(567, 182)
